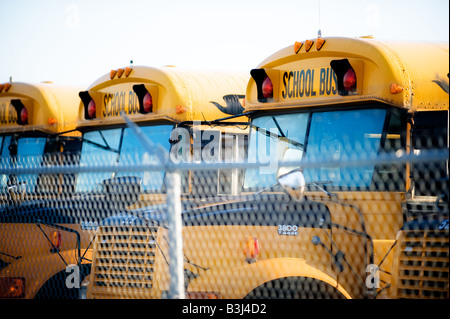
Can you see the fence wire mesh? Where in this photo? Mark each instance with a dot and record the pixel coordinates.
(127, 225)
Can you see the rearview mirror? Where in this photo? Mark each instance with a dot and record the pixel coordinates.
(17, 193)
(290, 154)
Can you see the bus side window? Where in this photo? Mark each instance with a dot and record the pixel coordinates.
(392, 176)
(204, 182)
(234, 150)
(430, 132)
(61, 151)
(30, 152)
(4, 161)
(225, 148)
(8, 150)
(70, 156)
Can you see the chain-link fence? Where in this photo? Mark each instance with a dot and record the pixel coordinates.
(373, 225)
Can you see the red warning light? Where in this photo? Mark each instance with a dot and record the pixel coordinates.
(267, 88)
(350, 80)
(24, 116)
(346, 77)
(22, 112)
(91, 109)
(147, 103)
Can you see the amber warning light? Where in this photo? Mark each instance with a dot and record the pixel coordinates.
(55, 241)
(12, 287)
(251, 249)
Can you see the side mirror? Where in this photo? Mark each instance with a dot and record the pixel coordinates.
(293, 183)
(290, 154)
(17, 193)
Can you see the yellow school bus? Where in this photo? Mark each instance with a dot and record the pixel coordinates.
(160, 101)
(34, 119)
(37, 129)
(325, 230)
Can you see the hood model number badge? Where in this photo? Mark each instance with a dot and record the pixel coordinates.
(288, 230)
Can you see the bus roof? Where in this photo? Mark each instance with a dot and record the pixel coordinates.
(411, 75)
(37, 107)
(176, 95)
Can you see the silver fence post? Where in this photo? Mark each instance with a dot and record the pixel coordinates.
(173, 183)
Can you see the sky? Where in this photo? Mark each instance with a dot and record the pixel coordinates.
(74, 42)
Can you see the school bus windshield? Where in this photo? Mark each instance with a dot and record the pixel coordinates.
(322, 136)
(19, 152)
(120, 145)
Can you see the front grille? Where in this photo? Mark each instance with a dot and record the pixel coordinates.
(423, 264)
(124, 259)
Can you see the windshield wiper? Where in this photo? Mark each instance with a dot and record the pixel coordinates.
(288, 140)
(104, 139)
(318, 185)
(120, 144)
(278, 126)
(106, 148)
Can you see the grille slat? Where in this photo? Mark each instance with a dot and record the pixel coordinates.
(423, 266)
(417, 278)
(435, 289)
(124, 257)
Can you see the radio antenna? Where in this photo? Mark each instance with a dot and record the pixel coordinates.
(319, 35)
